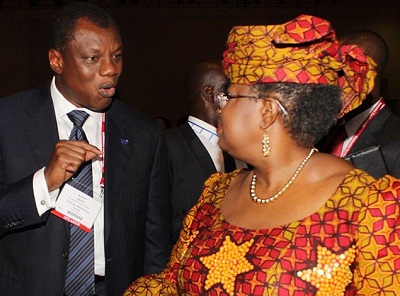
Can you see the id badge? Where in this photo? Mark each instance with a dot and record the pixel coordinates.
(77, 208)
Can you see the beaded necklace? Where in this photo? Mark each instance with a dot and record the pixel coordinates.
(267, 200)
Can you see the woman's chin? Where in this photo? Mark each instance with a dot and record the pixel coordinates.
(221, 144)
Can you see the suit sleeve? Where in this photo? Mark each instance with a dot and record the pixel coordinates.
(165, 283)
(17, 205)
(159, 212)
(28, 132)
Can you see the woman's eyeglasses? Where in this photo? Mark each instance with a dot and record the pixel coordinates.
(223, 98)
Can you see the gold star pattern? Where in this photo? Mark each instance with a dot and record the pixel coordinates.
(332, 273)
(226, 264)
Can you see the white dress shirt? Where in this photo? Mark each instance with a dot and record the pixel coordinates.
(209, 137)
(46, 200)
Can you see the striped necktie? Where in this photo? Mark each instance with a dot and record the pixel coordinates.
(80, 271)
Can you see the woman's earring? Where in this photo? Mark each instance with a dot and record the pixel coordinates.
(266, 149)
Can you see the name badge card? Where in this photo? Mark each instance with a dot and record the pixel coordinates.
(77, 207)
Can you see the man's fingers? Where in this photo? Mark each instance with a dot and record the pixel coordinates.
(78, 145)
(66, 159)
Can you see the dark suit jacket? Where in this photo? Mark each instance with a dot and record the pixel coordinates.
(382, 131)
(190, 166)
(33, 249)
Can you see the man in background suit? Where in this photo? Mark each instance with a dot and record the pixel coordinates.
(371, 140)
(193, 146)
(125, 149)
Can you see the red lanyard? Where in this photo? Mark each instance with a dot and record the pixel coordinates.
(372, 114)
(103, 149)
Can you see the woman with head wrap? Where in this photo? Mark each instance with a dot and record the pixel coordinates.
(300, 222)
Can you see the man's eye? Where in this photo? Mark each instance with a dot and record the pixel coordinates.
(91, 60)
(117, 57)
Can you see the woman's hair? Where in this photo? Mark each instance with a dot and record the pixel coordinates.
(312, 108)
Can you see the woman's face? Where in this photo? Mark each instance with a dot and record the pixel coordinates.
(240, 122)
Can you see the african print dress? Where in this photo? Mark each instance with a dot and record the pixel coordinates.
(350, 246)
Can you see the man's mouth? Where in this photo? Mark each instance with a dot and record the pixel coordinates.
(107, 90)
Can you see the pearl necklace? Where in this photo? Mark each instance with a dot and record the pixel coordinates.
(256, 199)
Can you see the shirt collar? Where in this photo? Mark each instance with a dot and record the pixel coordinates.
(203, 128)
(203, 124)
(62, 106)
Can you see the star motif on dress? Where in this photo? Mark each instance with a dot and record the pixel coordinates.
(332, 273)
(226, 264)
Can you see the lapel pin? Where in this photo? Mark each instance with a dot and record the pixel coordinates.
(124, 141)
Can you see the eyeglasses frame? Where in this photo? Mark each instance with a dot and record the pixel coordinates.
(223, 97)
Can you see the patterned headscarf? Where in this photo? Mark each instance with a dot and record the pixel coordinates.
(304, 50)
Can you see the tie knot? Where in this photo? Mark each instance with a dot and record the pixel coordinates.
(78, 117)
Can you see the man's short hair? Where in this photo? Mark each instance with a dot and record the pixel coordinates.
(62, 26)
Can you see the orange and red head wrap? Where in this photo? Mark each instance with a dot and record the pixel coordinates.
(304, 50)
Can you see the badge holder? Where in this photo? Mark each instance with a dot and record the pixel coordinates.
(78, 208)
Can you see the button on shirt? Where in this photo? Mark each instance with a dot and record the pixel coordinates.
(46, 200)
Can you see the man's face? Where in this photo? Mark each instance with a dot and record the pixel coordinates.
(88, 69)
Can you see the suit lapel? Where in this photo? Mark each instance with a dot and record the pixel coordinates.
(371, 133)
(118, 149)
(40, 129)
(41, 126)
(198, 149)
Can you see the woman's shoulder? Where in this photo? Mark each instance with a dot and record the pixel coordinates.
(386, 186)
(216, 185)
(342, 172)
(222, 179)
(371, 193)
(363, 178)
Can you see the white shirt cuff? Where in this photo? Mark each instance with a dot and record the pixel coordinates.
(44, 199)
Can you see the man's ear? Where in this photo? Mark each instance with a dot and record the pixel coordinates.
(270, 112)
(55, 60)
(207, 93)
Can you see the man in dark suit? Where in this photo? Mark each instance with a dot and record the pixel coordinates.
(193, 146)
(127, 163)
(370, 140)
